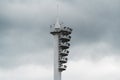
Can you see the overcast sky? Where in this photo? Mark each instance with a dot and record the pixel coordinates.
(26, 45)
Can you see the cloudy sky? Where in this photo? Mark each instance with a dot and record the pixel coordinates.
(26, 47)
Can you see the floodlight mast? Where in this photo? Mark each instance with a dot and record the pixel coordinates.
(61, 38)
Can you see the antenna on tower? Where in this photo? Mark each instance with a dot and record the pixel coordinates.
(57, 10)
(57, 25)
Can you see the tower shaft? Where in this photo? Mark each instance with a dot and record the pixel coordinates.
(57, 73)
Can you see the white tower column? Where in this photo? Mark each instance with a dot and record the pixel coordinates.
(57, 73)
(61, 45)
(61, 38)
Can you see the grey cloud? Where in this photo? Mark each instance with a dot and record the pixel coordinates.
(95, 20)
(20, 44)
(27, 31)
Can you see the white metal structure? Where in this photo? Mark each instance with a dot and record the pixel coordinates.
(61, 38)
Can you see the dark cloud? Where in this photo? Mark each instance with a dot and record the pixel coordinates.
(24, 26)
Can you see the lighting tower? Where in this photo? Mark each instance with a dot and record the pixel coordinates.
(61, 44)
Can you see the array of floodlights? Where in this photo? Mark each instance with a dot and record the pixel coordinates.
(64, 38)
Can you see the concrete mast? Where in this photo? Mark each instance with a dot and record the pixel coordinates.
(57, 73)
(61, 38)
